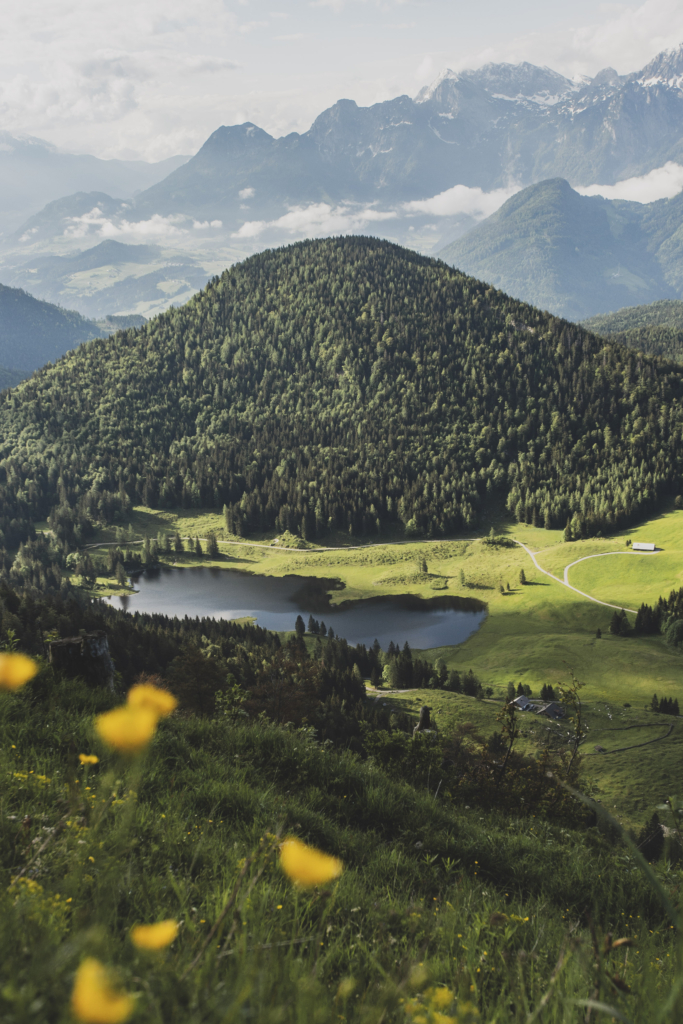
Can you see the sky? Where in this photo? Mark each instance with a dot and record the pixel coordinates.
(148, 79)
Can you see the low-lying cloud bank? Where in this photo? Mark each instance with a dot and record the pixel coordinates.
(662, 183)
(318, 219)
(174, 227)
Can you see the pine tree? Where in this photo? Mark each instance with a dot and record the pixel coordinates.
(654, 703)
(522, 577)
(212, 549)
(568, 531)
(651, 839)
(299, 626)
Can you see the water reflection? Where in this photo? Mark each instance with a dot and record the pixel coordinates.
(275, 602)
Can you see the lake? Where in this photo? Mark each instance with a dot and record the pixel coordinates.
(275, 603)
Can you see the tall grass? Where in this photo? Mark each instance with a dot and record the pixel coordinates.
(440, 910)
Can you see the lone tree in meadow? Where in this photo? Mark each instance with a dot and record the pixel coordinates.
(212, 546)
(522, 577)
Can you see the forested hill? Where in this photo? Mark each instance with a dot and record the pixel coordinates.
(348, 383)
(656, 328)
(33, 332)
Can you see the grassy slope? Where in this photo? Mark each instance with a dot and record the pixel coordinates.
(630, 783)
(421, 882)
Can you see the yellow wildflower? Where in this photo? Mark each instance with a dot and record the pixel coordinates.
(88, 758)
(441, 997)
(305, 865)
(127, 729)
(146, 695)
(16, 670)
(347, 987)
(94, 1000)
(154, 936)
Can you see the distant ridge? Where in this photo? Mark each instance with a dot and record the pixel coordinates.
(33, 332)
(575, 255)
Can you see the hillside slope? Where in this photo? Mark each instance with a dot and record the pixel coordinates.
(347, 383)
(33, 332)
(576, 255)
(663, 313)
(484, 898)
(656, 328)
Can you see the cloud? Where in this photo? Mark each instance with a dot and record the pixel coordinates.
(461, 199)
(246, 193)
(662, 183)
(157, 228)
(204, 64)
(317, 219)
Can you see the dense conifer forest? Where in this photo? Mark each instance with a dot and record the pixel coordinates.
(344, 384)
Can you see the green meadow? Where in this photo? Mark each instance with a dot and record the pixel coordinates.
(536, 633)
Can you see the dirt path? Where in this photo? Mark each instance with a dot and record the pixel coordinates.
(634, 746)
(564, 583)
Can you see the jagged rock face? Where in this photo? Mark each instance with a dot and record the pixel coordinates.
(500, 124)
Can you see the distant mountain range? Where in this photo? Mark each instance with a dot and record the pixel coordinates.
(575, 255)
(423, 171)
(500, 127)
(33, 173)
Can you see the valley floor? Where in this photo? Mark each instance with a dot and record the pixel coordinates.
(537, 633)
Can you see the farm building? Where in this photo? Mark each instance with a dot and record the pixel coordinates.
(640, 546)
(550, 708)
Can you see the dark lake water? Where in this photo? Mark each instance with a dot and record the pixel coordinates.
(275, 603)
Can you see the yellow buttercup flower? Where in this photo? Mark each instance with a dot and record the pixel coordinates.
(305, 865)
(88, 758)
(127, 728)
(16, 670)
(154, 936)
(146, 695)
(94, 1000)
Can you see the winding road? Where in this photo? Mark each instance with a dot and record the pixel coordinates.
(565, 582)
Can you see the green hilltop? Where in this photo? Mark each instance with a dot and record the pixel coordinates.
(346, 384)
